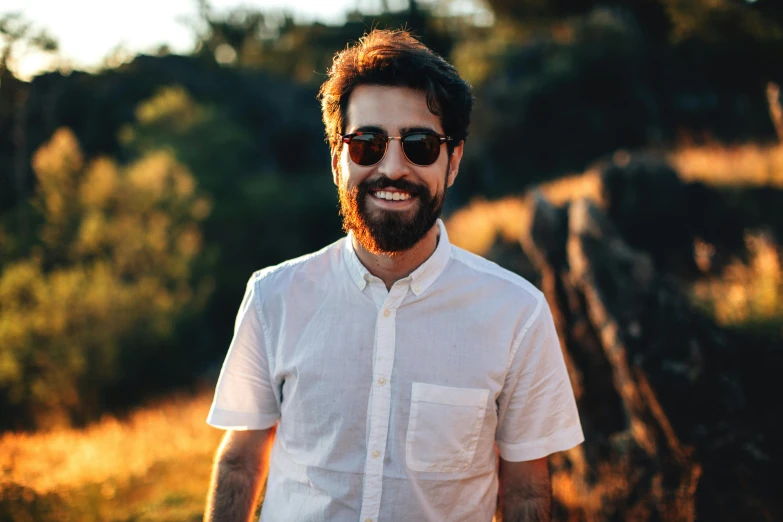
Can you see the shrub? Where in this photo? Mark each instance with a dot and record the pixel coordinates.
(111, 276)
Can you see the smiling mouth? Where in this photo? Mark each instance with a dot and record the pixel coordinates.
(391, 196)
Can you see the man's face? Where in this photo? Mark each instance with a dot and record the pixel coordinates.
(380, 225)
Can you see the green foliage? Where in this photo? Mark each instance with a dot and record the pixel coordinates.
(707, 20)
(552, 100)
(267, 207)
(720, 21)
(113, 268)
(215, 148)
(301, 52)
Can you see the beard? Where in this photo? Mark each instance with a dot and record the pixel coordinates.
(389, 232)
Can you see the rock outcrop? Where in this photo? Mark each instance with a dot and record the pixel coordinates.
(680, 415)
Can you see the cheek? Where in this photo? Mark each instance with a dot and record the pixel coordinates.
(349, 174)
(437, 175)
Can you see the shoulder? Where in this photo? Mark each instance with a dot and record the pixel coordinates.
(499, 279)
(506, 294)
(316, 265)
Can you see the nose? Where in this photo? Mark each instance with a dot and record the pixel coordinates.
(394, 164)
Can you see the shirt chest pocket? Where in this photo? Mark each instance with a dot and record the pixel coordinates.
(444, 427)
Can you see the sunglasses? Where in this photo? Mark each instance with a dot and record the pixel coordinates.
(368, 148)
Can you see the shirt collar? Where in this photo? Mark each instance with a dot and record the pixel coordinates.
(356, 269)
(421, 278)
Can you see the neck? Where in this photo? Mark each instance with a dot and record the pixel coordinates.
(390, 269)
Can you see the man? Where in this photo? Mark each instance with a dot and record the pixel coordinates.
(392, 362)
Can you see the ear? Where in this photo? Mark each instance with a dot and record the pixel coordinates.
(456, 157)
(336, 164)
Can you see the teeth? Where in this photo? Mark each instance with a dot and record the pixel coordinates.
(392, 196)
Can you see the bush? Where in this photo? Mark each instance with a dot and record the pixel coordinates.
(111, 275)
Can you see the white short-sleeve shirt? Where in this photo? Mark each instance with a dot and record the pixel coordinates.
(390, 403)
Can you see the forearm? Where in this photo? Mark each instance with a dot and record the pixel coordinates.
(525, 491)
(237, 478)
(519, 508)
(232, 493)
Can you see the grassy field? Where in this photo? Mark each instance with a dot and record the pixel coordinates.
(153, 465)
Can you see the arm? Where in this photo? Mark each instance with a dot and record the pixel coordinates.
(240, 469)
(525, 491)
(537, 416)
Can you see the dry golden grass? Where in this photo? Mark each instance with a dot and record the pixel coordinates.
(573, 187)
(745, 293)
(749, 165)
(173, 430)
(476, 226)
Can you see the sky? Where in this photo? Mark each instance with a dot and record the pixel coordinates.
(89, 30)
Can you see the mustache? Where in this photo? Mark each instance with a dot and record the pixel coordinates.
(384, 183)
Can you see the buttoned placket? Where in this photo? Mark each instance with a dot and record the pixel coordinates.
(380, 401)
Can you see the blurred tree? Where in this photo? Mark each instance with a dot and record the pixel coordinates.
(18, 38)
(263, 212)
(710, 20)
(562, 92)
(526, 12)
(205, 138)
(111, 278)
(562, 99)
(721, 21)
(271, 41)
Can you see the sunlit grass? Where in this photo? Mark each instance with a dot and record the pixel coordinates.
(479, 224)
(153, 465)
(749, 165)
(745, 293)
(476, 226)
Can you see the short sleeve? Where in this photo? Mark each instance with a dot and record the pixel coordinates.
(537, 413)
(244, 397)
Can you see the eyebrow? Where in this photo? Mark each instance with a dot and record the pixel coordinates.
(370, 128)
(403, 130)
(410, 130)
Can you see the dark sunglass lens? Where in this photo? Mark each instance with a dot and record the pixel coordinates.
(421, 149)
(367, 149)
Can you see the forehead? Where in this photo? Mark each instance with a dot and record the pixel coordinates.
(390, 108)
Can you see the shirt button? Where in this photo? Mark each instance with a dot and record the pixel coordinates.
(417, 289)
(381, 381)
(386, 313)
(376, 454)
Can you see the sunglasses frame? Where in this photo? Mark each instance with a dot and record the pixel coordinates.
(346, 138)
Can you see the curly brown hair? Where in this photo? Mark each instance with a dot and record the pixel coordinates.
(386, 57)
